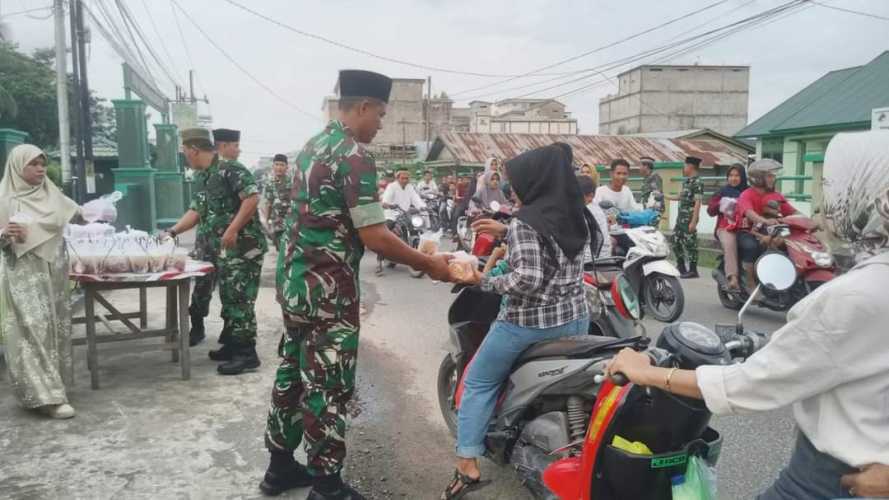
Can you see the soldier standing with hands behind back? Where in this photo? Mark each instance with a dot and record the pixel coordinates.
(335, 212)
(276, 200)
(685, 233)
(229, 236)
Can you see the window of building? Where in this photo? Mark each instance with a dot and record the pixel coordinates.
(655, 69)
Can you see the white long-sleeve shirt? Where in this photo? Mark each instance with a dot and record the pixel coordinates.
(623, 200)
(424, 187)
(403, 197)
(830, 361)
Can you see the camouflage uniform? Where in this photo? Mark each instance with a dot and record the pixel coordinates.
(276, 194)
(217, 198)
(335, 193)
(685, 242)
(651, 184)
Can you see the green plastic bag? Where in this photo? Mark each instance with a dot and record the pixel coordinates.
(698, 482)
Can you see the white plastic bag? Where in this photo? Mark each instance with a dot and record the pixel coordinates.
(430, 242)
(727, 206)
(101, 209)
(462, 266)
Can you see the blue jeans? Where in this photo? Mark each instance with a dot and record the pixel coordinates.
(501, 347)
(810, 475)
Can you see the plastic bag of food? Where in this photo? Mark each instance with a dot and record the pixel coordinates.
(430, 242)
(101, 209)
(178, 259)
(462, 266)
(727, 206)
(698, 482)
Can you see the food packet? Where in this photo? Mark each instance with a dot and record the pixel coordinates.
(430, 242)
(462, 266)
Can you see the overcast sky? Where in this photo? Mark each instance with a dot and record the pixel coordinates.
(491, 36)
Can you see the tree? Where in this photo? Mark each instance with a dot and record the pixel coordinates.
(30, 83)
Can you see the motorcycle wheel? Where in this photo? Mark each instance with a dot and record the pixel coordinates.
(415, 244)
(447, 387)
(664, 297)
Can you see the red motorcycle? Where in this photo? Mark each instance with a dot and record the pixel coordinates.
(811, 258)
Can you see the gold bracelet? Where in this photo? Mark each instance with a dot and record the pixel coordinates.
(669, 378)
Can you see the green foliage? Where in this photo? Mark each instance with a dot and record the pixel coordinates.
(29, 82)
(54, 172)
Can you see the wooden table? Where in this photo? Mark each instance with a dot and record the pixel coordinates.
(174, 333)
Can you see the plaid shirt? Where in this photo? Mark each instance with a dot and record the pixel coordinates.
(541, 291)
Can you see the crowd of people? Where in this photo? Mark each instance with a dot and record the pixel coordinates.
(829, 361)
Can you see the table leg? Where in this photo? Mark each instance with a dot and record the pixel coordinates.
(185, 355)
(92, 355)
(143, 308)
(171, 323)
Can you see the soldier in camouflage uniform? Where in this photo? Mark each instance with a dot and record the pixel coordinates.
(223, 207)
(276, 199)
(685, 233)
(651, 183)
(335, 212)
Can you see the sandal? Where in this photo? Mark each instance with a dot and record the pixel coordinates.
(466, 485)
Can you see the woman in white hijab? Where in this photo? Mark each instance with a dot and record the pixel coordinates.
(36, 324)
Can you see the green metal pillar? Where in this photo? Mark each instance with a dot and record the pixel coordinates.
(9, 138)
(168, 178)
(134, 176)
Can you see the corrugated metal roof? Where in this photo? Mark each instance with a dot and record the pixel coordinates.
(473, 148)
(839, 97)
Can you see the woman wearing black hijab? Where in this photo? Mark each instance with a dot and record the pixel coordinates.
(543, 290)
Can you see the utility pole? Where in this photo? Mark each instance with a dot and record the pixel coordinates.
(62, 91)
(403, 143)
(86, 127)
(428, 109)
(77, 172)
(191, 85)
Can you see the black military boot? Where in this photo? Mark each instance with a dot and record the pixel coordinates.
(244, 359)
(197, 334)
(332, 487)
(284, 473)
(225, 352)
(692, 272)
(680, 265)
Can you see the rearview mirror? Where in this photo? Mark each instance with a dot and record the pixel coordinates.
(775, 271)
(495, 206)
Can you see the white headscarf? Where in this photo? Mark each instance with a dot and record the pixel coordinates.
(49, 208)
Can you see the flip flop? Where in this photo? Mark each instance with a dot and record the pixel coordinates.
(468, 485)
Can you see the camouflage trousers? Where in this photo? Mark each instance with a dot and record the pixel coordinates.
(313, 384)
(685, 243)
(238, 280)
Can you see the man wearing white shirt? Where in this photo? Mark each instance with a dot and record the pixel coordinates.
(427, 185)
(588, 189)
(830, 362)
(398, 195)
(617, 191)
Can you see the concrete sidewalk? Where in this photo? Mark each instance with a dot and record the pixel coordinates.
(147, 433)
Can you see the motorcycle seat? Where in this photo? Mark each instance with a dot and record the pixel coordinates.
(573, 347)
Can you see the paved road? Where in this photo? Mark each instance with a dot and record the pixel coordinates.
(408, 323)
(148, 434)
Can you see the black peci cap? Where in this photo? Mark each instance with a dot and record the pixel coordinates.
(226, 135)
(693, 160)
(280, 157)
(360, 83)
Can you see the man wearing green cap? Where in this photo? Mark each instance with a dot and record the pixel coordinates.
(223, 207)
(335, 212)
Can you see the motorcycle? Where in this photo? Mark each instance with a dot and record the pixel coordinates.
(653, 277)
(432, 212)
(557, 415)
(408, 226)
(811, 258)
(466, 237)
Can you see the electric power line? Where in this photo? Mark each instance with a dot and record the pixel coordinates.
(240, 67)
(367, 52)
(127, 16)
(115, 36)
(26, 11)
(185, 44)
(595, 50)
(850, 11)
(136, 46)
(160, 39)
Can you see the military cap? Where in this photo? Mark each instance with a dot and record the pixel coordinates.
(198, 137)
(226, 135)
(647, 159)
(693, 160)
(280, 157)
(360, 83)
